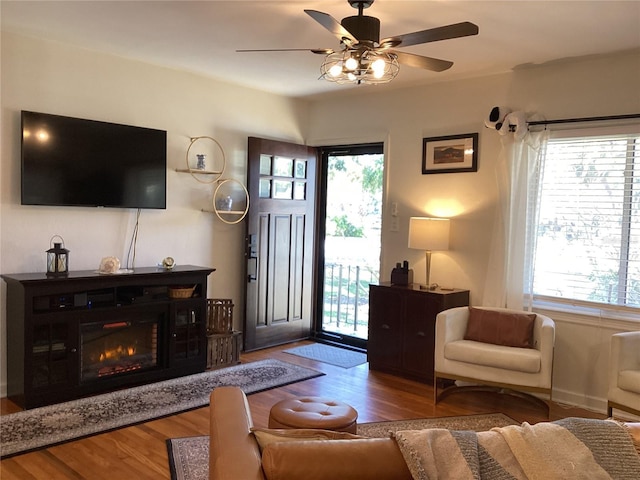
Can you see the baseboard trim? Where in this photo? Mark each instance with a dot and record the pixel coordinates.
(594, 404)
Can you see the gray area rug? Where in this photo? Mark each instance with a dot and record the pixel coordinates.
(321, 352)
(53, 424)
(189, 456)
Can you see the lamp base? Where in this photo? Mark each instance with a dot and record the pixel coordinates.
(431, 287)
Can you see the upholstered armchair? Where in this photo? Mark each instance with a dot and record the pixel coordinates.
(624, 373)
(496, 348)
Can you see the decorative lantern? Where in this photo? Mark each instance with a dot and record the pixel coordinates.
(57, 258)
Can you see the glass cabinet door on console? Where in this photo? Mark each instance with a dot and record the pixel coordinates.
(188, 332)
(52, 349)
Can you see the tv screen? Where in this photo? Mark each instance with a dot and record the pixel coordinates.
(77, 162)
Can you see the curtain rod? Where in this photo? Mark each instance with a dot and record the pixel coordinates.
(586, 119)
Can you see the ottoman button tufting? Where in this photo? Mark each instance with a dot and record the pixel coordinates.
(313, 412)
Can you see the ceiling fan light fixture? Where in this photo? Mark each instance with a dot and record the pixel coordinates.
(365, 58)
(335, 70)
(362, 67)
(351, 64)
(378, 66)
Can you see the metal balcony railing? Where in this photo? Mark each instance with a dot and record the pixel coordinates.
(346, 298)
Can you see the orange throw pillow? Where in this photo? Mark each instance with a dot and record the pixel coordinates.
(500, 328)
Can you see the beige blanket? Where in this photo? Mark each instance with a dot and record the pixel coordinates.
(569, 449)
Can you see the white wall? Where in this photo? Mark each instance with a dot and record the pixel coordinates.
(52, 78)
(577, 88)
(403, 118)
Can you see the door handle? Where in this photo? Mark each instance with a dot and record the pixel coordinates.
(252, 269)
(251, 252)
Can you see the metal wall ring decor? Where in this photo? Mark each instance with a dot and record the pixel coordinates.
(203, 175)
(225, 206)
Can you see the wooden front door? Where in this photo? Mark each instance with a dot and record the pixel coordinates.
(279, 243)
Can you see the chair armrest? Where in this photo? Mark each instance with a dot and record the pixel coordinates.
(544, 333)
(234, 452)
(452, 323)
(544, 338)
(625, 355)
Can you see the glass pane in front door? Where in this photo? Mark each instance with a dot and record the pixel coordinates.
(353, 201)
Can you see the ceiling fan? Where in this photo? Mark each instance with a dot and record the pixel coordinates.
(364, 58)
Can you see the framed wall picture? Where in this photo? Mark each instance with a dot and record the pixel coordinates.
(450, 154)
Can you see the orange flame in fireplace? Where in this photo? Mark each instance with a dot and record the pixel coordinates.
(117, 353)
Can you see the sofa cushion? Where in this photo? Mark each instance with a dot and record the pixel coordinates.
(629, 380)
(266, 436)
(526, 360)
(500, 328)
(358, 459)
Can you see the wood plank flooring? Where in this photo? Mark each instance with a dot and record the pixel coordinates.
(139, 452)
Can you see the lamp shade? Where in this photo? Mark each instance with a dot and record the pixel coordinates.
(429, 233)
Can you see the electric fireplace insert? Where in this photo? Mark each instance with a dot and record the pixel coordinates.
(114, 348)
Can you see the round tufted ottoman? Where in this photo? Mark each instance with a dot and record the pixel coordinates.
(313, 412)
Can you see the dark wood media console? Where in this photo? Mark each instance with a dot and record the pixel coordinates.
(87, 333)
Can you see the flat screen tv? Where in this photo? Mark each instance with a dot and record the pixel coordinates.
(77, 162)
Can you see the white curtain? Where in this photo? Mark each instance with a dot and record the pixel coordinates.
(510, 269)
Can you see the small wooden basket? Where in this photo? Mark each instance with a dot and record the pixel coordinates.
(223, 349)
(181, 292)
(219, 315)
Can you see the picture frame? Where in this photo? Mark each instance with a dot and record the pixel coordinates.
(450, 154)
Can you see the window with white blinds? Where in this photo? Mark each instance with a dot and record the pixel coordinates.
(588, 227)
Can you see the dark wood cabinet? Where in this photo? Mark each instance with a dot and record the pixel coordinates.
(402, 327)
(188, 322)
(52, 361)
(86, 333)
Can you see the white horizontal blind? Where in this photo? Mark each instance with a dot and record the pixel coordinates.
(588, 228)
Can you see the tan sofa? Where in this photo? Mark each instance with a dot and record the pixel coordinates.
(235, 453)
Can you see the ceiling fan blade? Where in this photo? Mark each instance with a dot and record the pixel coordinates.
(457, 30)
(428, 63)
(320, 51)
(331, 24)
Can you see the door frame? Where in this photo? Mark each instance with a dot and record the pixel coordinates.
(320, 231)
